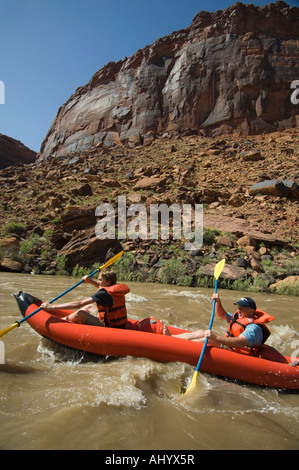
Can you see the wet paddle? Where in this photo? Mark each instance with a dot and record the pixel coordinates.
(18, 323)
(217, 271)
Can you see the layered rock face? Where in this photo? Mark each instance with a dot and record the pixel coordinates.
(228, 71)
(13, 152)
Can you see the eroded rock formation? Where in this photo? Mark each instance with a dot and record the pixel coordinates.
(228, 71)
(13, 152)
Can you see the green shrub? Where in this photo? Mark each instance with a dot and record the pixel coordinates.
(80, 271)
(125, 266)
(61, 265)
(14, 227)
(241, 284)
(288, 288)
(203, 280)
(209, 236)
(28, 246)
(175, 272)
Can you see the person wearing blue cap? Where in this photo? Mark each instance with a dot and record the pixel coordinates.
(246, 328)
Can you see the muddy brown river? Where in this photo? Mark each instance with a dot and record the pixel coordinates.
(52, 398)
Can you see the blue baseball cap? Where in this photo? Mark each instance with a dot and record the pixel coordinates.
(246, 302)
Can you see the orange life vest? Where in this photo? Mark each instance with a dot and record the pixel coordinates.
(115, 316)
(237, 326)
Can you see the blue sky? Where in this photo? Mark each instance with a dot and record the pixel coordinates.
(48, 48)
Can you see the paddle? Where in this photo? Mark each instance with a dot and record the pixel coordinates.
(18, 323)
(217, 271)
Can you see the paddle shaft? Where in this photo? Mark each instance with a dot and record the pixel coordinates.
(210, 327)
(56, 298)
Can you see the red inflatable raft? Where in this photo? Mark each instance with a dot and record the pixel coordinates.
(145, 339)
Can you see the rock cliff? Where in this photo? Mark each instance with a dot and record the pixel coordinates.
(13, 152)
(228, 71)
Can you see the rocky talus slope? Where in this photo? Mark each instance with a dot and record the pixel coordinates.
(48, 209)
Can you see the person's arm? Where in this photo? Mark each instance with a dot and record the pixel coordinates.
(217, 340)
(72, 305)
(219, 309)
(251, 336)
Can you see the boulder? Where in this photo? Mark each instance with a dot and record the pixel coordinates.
(52, 203)
(85, 249)
(246, 241)
(224, 240)
(152, 182)
(251, 156)
(230, 272)
(77, 218)
(242, 263)
(8, 264)
(292, 280)
(280, 188)
(236, 200)
(10, 244)
(44, 196)
(256, 265)
(82, 190)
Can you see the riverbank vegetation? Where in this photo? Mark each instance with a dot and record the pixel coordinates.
(178, 271)
(176, 266)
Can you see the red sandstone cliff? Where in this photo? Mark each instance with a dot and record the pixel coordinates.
(13, 152)
(228, 71)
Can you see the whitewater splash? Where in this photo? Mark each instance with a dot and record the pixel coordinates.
(282, 338)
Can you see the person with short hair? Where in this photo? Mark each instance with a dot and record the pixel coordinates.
(246, 333)
(109, 299)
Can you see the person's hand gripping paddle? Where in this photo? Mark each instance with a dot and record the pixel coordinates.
(217, 271)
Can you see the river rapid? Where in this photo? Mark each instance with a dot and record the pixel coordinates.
(52, 398)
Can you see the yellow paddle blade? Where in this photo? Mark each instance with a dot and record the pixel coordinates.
(218, 268)
(6, 330)
(112, 260)
(192, 385)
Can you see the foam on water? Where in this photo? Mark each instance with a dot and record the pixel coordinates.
(282, 338)
(120, 392)
(54, 353)
(134, 298)
(124, 382)
(192, 295)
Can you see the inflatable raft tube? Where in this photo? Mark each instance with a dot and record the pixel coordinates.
(145, 339)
